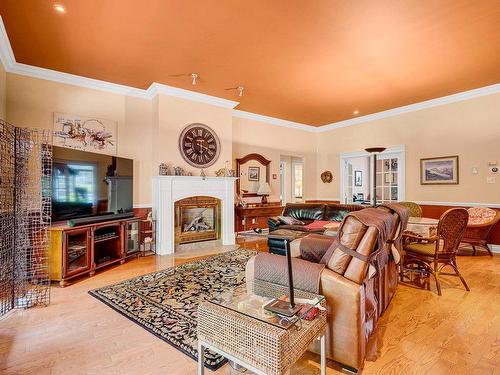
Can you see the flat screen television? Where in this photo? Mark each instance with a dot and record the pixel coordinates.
(88, 184)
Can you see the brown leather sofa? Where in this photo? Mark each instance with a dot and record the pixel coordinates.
(356, 293)
(307, 213)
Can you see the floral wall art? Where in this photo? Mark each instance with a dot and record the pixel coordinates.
(84, 133)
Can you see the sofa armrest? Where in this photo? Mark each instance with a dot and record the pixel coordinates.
(346, 310)
(273, 223)
(314, 246)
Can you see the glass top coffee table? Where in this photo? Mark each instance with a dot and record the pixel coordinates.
(252, 304)
(236, 325)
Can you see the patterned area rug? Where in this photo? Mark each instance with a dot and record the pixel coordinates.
(165, 302)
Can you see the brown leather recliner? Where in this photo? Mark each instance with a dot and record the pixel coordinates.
(356, 294)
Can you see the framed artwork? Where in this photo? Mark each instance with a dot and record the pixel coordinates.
(358, 178)
(439, 171)
(84, 133)
(389, 178)
(253, 173)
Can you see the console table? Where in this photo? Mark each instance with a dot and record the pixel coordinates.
(256, 215)
(81, 250)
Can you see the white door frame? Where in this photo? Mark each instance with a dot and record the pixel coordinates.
(292, 192)
(400, 150)
(283, 182)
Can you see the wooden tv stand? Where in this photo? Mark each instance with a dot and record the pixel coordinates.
(81, 250)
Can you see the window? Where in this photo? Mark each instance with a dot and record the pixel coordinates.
(387, 179)
(74, 183)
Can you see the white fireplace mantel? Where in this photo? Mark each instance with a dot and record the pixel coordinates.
(169, 189)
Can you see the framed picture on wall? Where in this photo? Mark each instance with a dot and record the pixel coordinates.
(358, 178)
(439, 171)
(253, 174)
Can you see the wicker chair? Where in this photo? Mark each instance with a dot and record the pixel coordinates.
(415, 209)
(433, 254)
(478, 231)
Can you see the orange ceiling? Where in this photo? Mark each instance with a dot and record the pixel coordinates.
(313, 62)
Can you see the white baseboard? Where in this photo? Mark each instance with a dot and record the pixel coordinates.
(494, 248)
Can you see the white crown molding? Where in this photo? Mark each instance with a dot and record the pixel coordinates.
(159, 88)
(273, 121)
(465, 95)
(11, 66)
(71, 79)
(6, 54)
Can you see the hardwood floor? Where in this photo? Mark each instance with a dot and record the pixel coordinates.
(421, 333)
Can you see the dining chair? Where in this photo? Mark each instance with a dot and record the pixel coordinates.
(415, 209)
(432, 254)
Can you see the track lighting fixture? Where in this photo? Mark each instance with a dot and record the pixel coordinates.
(240, 90)
(194, 77)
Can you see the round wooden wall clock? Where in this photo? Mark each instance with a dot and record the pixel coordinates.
(199, 145)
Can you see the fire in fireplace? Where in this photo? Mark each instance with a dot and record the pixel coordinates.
(197, 219)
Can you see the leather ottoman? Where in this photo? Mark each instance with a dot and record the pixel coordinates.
(278, 246)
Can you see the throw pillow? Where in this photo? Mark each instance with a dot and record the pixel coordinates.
(320, 224)
(288, 220)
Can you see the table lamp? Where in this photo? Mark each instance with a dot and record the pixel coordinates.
(264, 190)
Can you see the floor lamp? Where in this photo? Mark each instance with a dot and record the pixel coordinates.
(374, 151)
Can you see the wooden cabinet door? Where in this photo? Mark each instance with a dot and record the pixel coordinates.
(76, 252)
(132, 236)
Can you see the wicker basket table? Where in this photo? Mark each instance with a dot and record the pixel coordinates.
(236, 327)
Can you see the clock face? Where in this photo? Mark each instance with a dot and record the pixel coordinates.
(199, 145)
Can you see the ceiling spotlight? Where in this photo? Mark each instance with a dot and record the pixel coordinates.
(59, 8)
(355, 112)
(194, 77)
(240, 90)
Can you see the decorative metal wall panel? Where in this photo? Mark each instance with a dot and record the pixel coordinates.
(7, 216)
(25, 193)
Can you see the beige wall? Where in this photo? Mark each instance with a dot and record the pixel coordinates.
(470, 129)
(148, 132)
(271, 141)
(3, 93)
(31, 103)
(174, 114)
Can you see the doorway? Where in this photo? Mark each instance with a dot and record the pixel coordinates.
(291, 179)
(283, 182)
(356, 177)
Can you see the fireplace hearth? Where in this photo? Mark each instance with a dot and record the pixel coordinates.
(197, 219)
(170, 189)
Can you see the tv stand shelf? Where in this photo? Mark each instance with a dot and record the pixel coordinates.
(80, 251)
